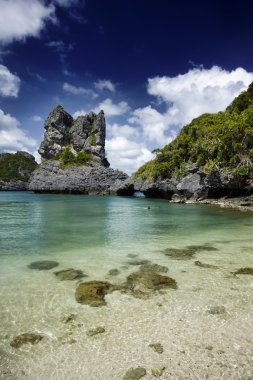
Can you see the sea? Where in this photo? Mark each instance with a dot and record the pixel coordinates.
(205, 326)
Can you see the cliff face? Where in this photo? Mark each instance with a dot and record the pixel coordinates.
(15, 170)
(211, 157)
(73, 157)
(84, 134)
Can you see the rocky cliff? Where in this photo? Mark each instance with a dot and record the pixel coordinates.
(73, 157)
(211, 157)
(85, 134)
(15, 170)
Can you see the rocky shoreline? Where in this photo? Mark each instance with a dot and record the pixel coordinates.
(242, 203)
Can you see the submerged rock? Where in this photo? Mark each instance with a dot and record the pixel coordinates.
(113, 272)
(138, 262)
(93, 293)
(158, 371)
(68, 318)
(96, 331)
(135, 373)
(217, 310)
(180, 253)
(25, 338)
(188, 252)
(153, 268)
(43, 265)
(69, 274)
(203, 265)
(143, 284)
(244, 271)
(157, 347)
(203, 247)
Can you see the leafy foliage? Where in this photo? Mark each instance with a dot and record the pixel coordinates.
(67, 158)
(221, 141)
(16, 166)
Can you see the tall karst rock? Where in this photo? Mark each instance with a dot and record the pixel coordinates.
(84, 134)
(74, 159)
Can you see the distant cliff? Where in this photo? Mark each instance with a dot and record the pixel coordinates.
(211, 157)
(73, 157)
(15, 170)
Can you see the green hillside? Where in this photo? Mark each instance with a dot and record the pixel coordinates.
(18, 166)
(221, 141)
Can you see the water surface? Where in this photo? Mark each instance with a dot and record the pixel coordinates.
(96, 234)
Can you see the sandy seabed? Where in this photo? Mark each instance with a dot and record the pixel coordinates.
(196, 344)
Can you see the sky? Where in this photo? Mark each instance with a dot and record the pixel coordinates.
(152, 66)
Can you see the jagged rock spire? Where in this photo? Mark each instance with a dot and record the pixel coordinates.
(83, 134)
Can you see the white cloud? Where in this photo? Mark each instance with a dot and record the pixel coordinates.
(105, 85)
(124, 130)
(112, 109)
(11, 136)
(78, 90)
(37, 155)
(126, 148)
(153, 124)
(37, 118)
(79, 113)
(9, 83)
(125, 154)
(20, 19)
(198, 91)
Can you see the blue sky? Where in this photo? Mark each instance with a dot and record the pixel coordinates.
(151, 66)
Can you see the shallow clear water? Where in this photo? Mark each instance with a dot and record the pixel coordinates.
(96, 234)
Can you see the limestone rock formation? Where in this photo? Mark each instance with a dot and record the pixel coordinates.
(84, 134)
(73, 157)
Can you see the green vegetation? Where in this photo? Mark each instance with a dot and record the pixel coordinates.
(67, 158)
(89, 127)
(221, 141)
(14, 167)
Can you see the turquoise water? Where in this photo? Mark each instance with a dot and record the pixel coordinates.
(96, 234)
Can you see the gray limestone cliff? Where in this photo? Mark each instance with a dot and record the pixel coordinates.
(73, 157)
(83, 134)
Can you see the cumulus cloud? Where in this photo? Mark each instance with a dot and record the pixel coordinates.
(153, 124)
(73, 90)
(112, 109)
(9, 83)
(105, 85)
(12, 137)
(126, 154)
(198, 91)
(79, 113)
(37, 118)
(20, 19)
(126, 148)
